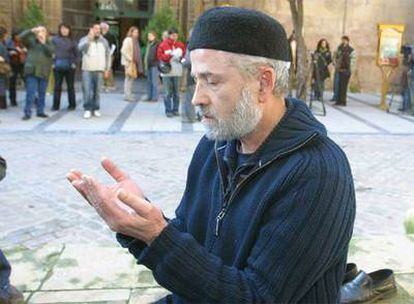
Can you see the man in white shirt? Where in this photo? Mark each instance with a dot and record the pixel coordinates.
(95, 64)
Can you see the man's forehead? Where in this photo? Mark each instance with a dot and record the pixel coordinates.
(206, 61)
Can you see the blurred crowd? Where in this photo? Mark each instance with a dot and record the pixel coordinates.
(41, 60)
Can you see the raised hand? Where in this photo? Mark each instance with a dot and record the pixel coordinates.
(91, 35)
(122, 205)
(122, 179)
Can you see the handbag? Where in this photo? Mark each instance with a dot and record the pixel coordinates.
(164, 67)
(5, 68)
(131, 70)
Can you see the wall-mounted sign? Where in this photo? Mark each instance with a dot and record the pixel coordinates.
(389, 44)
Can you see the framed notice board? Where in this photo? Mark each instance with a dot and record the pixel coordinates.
(389, 44)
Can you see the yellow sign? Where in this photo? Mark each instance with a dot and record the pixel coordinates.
(389, 44)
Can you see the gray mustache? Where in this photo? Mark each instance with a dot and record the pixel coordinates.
(202, 110)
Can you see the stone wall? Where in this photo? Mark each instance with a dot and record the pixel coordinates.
(5, 14)
(11, 12)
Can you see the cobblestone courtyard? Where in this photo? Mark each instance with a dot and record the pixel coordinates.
(39, 206)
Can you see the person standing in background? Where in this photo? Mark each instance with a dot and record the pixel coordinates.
(109, 83)
(4, 62)
(345, 60)
(95, 65)
(40, 52)
(64, 66)
(17, 54)
(151, 67)
(322, 58)
(188, 114)
(171, 51)
(131, 60)
(409, 96)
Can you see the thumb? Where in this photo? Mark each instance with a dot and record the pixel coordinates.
(138, 204)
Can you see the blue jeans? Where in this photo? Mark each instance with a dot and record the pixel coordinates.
(336, 86)
(171, 94)
(5, 271)
(35, 87)
(406, 105)
(152, 83)
(91, 86)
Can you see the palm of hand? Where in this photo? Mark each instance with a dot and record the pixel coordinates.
(110, 193)
(96, 192)
(128, 184)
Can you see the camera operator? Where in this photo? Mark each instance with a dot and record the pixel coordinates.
(410, 78)
(408, 74)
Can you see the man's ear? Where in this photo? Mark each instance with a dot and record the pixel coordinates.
(267, 83)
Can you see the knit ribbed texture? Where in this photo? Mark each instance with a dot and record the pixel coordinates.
(285, 236)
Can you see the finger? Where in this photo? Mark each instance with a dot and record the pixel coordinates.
(113, 170)
(92, 190)
(80, 187)
(138, 204)
(74, 175)
(99, 199)
(70, 177)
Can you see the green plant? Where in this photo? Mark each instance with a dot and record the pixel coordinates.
(163, 20)
(354, 88)
(409, 222)
(33, 16)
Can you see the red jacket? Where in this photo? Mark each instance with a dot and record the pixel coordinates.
(166, 45)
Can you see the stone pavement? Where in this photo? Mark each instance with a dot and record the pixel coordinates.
(83, 273)
(62, 252)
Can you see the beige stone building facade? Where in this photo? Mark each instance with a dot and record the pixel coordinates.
(328, 19)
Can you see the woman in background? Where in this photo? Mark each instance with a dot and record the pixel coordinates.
(64, 66)
(151, 67)
(322, 58)
(131, 60)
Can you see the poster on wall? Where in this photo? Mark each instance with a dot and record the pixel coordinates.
(389, 44)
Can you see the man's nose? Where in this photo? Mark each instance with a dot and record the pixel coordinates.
(199, 96)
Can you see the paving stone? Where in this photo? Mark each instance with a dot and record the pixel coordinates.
(31, 267)
(395, 252)
(406, 281)
(110, 296)
(400, 297)
(148, 295)
(91, 267)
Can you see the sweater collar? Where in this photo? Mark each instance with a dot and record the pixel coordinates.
(295, 129)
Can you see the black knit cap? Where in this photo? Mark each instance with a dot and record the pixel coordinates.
(242, 31)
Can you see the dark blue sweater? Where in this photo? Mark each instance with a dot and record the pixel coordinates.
(276, 230)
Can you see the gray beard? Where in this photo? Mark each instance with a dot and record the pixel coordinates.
(242, 121)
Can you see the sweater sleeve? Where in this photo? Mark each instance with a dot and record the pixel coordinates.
(126, 49)
(27, 38)
(161, 53)
(301, 236)
(48, 48)
(74, 53)
(107, 54)
(83, 44)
